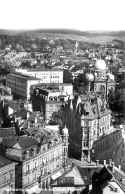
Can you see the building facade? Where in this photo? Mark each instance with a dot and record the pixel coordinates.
(7, 175)
(103, 79)
(37, 162)
(99, 79)
(20, 84)
(95, 115)
(51, 107)
(111, 146)
(46, 76)
(95, 122)
(5, 93)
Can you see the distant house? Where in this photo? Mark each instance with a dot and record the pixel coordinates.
(7, 132)
(7, 175)
(37, 161)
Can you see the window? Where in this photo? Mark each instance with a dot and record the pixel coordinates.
(94, 132)
(85, 143)
(27, 168)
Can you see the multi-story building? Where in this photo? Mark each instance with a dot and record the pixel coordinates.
(20, 84)
(48, 98)
(45, 75)
(7, 175)
(103, 80)
(51, 107)
(5, 132)
(99, 79)
(55, 90)
(95, 122)
(95, 116)
(89, 118)
(5, 93)
(37, 162)
(111, 146)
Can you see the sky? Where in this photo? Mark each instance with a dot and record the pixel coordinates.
(83, 15)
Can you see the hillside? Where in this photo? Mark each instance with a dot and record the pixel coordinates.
(89, 36)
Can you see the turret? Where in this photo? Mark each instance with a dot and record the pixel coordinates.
(65, 145)
(90, 79)
(65, 135)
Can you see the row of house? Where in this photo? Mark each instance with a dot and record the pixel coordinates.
(23, 85)
(27, 164)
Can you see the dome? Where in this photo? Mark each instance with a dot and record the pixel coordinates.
(89, 77)
(90, 65)
(65, 130)
(100, 65)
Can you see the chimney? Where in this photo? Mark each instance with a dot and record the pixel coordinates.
(97, 162)
(110, 162)
(119, 167)
(113, 167)
(104, 163)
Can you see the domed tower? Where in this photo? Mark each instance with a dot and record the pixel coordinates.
(100, 77)
(89, 78)
(65, 145)
(110, 83)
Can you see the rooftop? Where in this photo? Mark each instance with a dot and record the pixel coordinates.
(24, 142)
(38, 69)
(26, 77)
(7, 132)
(112, 187)
(4, 161)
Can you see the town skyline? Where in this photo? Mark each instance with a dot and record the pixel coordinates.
(62, 111)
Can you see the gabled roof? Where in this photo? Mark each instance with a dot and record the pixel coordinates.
(23, 141)
(87, 172)
(81, 176)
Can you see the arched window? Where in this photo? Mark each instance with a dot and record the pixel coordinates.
(31, 152)
(50, 98)
(55, 98)
(24, 154)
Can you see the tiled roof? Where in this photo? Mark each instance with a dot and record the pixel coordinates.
(21, 113)
(6, 132)
(26, 77)
(23, 141)
(87, 172)
(4, 161)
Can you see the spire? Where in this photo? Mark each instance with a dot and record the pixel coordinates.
(65, 130)
(3, 103)
(71, 105)
(71, 97)
(78, 101)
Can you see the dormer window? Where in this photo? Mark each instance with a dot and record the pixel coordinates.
(32, 152)
(24, 155)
